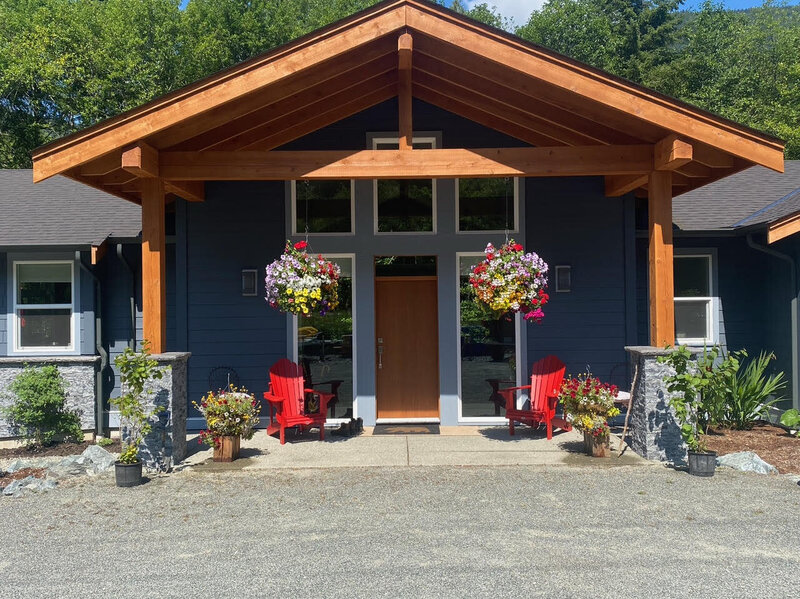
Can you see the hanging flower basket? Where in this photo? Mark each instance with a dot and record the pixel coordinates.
(510, 281)
(302, 284)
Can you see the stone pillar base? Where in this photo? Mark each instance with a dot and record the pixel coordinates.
(654, 432)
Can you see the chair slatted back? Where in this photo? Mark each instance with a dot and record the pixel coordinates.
(286, 379)
(546, 379)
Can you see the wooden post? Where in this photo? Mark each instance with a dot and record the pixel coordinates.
(662, 303)
(405, 126)
(154, 267)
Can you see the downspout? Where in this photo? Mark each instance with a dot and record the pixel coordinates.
(132, 337)
(98, 345)
(795, 336)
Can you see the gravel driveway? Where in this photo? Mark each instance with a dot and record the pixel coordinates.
(408, 532)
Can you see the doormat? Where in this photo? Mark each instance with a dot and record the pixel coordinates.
(406, 429)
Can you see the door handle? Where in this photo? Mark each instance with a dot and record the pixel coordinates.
(380, 357)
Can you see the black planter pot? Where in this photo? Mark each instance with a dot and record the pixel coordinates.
(702, 463)
(128, 475)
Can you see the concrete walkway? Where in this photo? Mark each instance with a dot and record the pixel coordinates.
(455, 446)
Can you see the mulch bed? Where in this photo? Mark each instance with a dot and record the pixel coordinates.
(59, 449)
(6, 478)
(772, 444)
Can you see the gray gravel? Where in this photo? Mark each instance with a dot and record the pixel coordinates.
(407, 532)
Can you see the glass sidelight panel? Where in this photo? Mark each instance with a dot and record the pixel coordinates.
(325, 346)
(488, 352)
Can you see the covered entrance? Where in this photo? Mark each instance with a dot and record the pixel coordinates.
(407, 345)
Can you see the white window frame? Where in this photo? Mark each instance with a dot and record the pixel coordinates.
(294, 346)
(396, 140)
(517, 349)
(488, 231)
(15, 307)
(712, 313)
(293, 202)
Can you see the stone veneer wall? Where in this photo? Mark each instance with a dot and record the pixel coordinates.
(79, 377)
(165, 446)
(654, 432)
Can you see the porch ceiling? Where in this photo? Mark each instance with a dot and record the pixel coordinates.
(484, 75)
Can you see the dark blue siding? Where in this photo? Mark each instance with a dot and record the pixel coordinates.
(240, 225)
(570, 222)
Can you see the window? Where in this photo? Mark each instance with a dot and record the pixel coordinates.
(405, 205)
(322, 206)
(43, 306)
(486, 205)
(694, 317)
(488, 351)
(325, 345)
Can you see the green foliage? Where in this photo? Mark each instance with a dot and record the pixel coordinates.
(484, 13)
(791, 419)
(136, 370)
(39, 410)
(750, 390)
(105, 442)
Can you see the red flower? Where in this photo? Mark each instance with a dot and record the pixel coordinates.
(517, 247)
(300, 245)
(490, 256)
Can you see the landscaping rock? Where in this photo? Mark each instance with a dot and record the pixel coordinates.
(101, 459)
(29, 484)
(746, 461)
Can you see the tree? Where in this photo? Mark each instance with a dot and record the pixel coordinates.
(484, 13)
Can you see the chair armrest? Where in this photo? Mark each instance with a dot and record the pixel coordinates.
(508, 394)
(324, 398)
(272, 398)
(514, 388)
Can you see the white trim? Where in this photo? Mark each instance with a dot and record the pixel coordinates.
(396, 140)
(711, 300)
(488, 231)
(293, 211)
(517, 352)
(407, 421)
(14, 347)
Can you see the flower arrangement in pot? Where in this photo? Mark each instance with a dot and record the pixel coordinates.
(136, 370)
(302, 284)
(588, 404)
(231, 415)
(509, 280)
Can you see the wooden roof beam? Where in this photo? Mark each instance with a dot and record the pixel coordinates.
(619, 185)
(671, 153)
(141, 160)
(405, 44)
(783, 228)
(398, 164)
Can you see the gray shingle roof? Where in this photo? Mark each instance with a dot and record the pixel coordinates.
(753, 196)
(60, 211)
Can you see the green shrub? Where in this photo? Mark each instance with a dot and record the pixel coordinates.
(39, 412)
(749, 392)
(791, 419)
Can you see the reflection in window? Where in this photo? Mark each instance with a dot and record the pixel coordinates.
(43, 305)
(488, 352)
(325, 347)
(693, 300)
(486, 204)
(323, 206)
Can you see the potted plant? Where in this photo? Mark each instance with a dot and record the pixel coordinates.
(231, 415)
(588, 404)
(136, 370)
(699, 388)
(509, 281)
(301, 284)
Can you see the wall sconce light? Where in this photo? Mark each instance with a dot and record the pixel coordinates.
(249, 286)
(563, 278)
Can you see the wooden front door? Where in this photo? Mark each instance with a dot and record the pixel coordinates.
(407, 347)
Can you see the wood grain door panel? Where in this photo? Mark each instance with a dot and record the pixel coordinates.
(406, 319)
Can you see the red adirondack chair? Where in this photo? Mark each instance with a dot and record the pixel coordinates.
(546, 379)
(287, 397)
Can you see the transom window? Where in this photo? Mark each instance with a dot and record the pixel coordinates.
(694, 318)
(405, 205)
(43, 306)
(322, 206)
(487, 204)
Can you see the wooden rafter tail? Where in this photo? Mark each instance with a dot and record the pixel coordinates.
(783, 228)
(98, 251)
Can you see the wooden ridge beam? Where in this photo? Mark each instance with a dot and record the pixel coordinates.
(405, 44)
(141, 160)
(397, 164)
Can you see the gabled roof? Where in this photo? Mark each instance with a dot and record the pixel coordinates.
(755, 196)
(481, 73)
(60, 212)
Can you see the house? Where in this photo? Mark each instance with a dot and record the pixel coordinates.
(399, 142)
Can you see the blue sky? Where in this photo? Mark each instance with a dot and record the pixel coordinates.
(520, 10)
